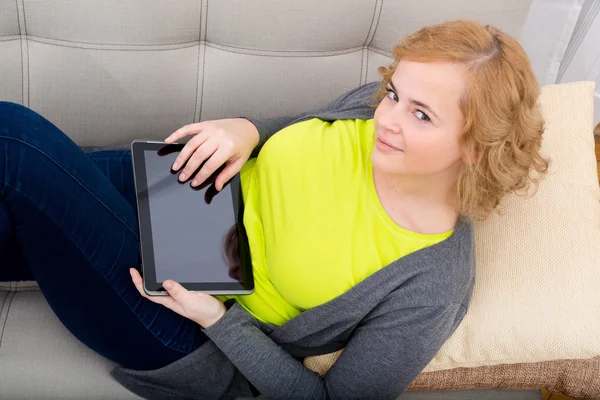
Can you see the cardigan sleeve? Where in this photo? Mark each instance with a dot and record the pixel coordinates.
(353, 104)
(386, 351)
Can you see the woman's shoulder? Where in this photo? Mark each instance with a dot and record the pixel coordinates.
(445, 271)
(335, 140)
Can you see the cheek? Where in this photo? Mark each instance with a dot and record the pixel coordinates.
(431, 151)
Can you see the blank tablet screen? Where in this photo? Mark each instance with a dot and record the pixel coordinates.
(187, 226)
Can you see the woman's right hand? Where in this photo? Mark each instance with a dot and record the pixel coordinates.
(220, 141)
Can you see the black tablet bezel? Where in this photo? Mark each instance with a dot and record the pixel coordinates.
(151, 286)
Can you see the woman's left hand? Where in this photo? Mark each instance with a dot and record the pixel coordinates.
(201, 308)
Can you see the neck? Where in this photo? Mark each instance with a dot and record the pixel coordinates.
(420, 191)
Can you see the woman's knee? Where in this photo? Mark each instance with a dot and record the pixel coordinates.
(20, 122)
(25, 125)
(10, 112)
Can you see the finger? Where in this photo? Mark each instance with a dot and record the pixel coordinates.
(228, 172)
(181, 295)
(137, 281)
(206, 150)
(163, 300)
(184, 131)
(216, 160)
(210, 181)
(188, 150)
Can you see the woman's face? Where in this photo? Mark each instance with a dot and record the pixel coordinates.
(417, 125)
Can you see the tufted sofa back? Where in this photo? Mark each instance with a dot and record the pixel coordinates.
(109, 71)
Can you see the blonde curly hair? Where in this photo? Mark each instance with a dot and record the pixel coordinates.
(503, 126)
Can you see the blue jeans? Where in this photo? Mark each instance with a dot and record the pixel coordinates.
(68, 220)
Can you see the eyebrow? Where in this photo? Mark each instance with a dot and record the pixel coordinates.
(417, 102)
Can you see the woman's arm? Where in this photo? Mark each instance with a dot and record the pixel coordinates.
(387, 350)
(232, 141)
(350, 105)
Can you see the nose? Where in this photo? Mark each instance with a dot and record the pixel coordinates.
(389, 120)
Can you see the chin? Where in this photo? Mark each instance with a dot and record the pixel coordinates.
(387, 163)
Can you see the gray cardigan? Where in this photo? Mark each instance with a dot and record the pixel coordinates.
(390, 325)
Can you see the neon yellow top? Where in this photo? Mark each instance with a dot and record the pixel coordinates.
(314, 221)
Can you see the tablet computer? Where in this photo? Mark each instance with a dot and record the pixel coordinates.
(186, 232)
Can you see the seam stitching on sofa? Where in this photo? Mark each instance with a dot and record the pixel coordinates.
(364, 47)
(22, 61)
(376, 25)
(373, 37)
(203, 64)
(380, 52)
(111, 44)
(198, 63)
(274, 51)
(22, 285)
(323, 54)
(372, 20)
(190, 43)
(16, 288)
(202, 88)
(3, 302)
(249, 50)
(367, 66)
(362, 56)
(28, 56)
(12, 296)
(11, 39)
(258, 53)
(362, 61)
(107, 49)
(206, 21)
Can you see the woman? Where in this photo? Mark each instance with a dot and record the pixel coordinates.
(362, 241)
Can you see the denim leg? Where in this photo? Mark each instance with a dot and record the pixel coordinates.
(115, 165)
(79, 236)
(14, 266)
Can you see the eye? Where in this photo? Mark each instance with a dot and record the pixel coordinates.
(392, 95)
(422, 116)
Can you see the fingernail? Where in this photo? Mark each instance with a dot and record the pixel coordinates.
(168, 285)
(182, 177)
(175, 166)
(194, 182)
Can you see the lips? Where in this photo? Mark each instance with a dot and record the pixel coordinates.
(385, 142)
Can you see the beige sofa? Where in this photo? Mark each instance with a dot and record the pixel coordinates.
(108, 72)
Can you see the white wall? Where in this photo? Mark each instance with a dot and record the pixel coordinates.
(585, 61)
(562, 39)
(546, 35)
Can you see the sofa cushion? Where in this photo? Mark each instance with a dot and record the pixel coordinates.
(41, 359)
(536, 294)
(576, 378)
